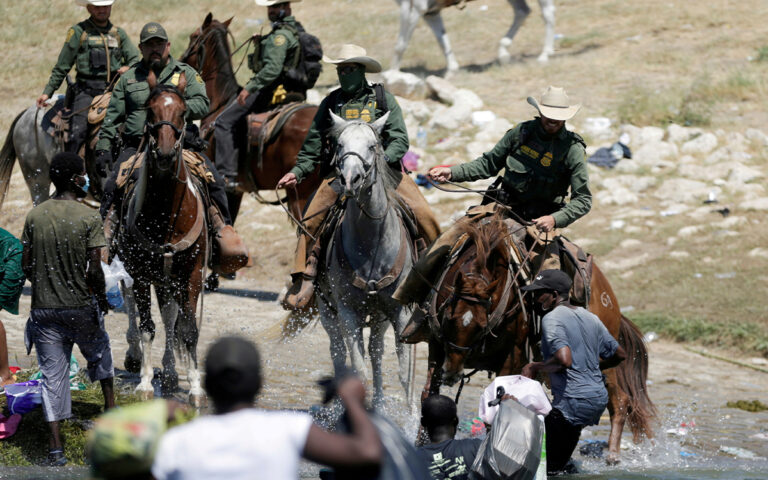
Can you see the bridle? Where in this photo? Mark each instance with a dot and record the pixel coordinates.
(179, 133)
(369, 170)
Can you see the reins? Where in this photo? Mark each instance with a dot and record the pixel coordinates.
(483, 193)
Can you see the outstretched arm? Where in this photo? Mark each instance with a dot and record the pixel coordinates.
(557, 363)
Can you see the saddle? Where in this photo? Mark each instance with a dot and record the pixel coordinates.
(195, 162)
(54, 122)
(263, 128)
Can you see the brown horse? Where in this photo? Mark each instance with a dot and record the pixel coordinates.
(209, 53)
(163, 241)
(483, 323)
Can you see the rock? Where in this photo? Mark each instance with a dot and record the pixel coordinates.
(314, 97)
(630, 243)
(650, 135)
(482, 117)
(650, 154)
(683, 190)
(633, 132)
(702, 144)
(475, 149)
(679, 254)
(689, 231)
(493, 131)
(627, 166)
(742, 174)
(757, 136)
(419, 109)
(625, 263)
(678, 134)
(468, 98)
(750, 191)
(598, 128)
(758, 252)
(730, 222)
(760, 204)
(726, 154)
(404, 84)
(441, 88)
(708, 174)
(616, 196)
(451, 118)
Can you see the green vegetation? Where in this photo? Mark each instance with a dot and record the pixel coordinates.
(762, 54)
(753, 406)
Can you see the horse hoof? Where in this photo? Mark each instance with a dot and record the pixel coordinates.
(198, 400)
(132, 365)
(612, 459)
(145, 395)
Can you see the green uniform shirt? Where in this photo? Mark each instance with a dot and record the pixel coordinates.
(84, 48)
(539, 168)
(59, 234)
(129, 100)
(360, 106)
(11, 275)
(277, 50)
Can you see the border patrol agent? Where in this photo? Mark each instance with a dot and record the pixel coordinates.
(355, 100)
(541, 161)
(86, 48)
(276, 51)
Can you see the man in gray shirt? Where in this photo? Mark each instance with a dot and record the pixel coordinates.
(575, 346)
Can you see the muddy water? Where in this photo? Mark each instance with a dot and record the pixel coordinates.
(687, 388)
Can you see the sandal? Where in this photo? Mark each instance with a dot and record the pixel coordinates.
(56, 458)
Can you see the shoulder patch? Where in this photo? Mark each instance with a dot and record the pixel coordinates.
(198, 78)
(175, 79)
(279, 40)
(70, 32)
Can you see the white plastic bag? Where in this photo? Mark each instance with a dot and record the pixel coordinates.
(113, 274)
(528, 392)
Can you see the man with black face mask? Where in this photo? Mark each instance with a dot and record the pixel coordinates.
(62, 241)
(274, 54)
(355, 100)
(575, 346)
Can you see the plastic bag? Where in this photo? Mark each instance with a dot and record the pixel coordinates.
(113, 274)
(24, 397)
(74, 367)
(527, 391)
(512, 449)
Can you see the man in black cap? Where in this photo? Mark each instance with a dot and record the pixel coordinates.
(575, 346)
(241, 441)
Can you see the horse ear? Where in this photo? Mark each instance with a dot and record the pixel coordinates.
(338, 123)
(208, 20)
(151, 80)
(182, 83)
(228, 21)
(378, 125)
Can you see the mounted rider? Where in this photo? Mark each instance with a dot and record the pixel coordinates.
(99, 51)
(542, 161)
(127, 108)
(276, 52)
(355, 100)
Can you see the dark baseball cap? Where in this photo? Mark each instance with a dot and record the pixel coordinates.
(152, 30)
(556, 280)
(232, 370)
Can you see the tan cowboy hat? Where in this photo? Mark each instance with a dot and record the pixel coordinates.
(353, 54)
(555, 104)
(95, 3)
(269, 3)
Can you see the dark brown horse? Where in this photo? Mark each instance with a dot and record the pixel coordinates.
(163, 241)
(209, 53)
(483, 323)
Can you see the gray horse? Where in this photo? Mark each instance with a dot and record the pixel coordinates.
(34, 148)
(360, 272)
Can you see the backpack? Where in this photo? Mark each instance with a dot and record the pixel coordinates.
(306, 67)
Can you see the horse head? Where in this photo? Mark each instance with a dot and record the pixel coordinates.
(358, 152)
(204, 44)
(469, 313)
(165, 121)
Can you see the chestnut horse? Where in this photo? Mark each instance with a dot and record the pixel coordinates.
(481, 322)
(208, 52)
(163, 241)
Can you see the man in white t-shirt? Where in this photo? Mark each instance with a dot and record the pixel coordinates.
(243, 442)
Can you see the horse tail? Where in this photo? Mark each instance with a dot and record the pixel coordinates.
(632, 374)
(7, 159)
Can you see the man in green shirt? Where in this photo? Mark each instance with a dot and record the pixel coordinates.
(11, 282)
(277, 51)
(355, 100)
(62, 241)
(99, 51)
(541, 160)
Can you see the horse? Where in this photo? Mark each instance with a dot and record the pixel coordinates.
(163, 242)
(429, 10)
(208, 52)
(369, 251)
(35, 148)
(482, 322)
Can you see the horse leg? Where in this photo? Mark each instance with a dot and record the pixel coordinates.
(188, 335)
(618, 405)
(333, 329)
(548, 14)
(405, 357)
(435, 22)
(132, 361)
(522, 10)
(353, 336)
(410, 11)
(141, 289)
(379, 325)
(169, 311)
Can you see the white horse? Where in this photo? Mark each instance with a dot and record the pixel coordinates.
(368, 254)
(412, 10)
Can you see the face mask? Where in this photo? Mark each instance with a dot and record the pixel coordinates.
(84, 188)
(353, 81)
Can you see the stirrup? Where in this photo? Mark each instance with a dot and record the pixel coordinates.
(417, 330)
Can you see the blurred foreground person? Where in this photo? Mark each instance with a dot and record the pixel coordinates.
(11, 282)
(575, 346)
(62, 253)
(243, 442)
(446, 457)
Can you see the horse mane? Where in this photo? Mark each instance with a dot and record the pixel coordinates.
(488, 236)
(223, 57)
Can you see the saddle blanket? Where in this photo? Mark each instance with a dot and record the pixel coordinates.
(195, 162)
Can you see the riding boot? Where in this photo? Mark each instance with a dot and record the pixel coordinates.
(110, 226)
(301, 293)
(232, 254)
(417, 329)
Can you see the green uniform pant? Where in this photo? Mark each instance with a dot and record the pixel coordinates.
(325, 197)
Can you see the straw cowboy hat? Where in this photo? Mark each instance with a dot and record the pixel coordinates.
(269, 3)
(353, 54)
(95, 3)
(555, 104)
